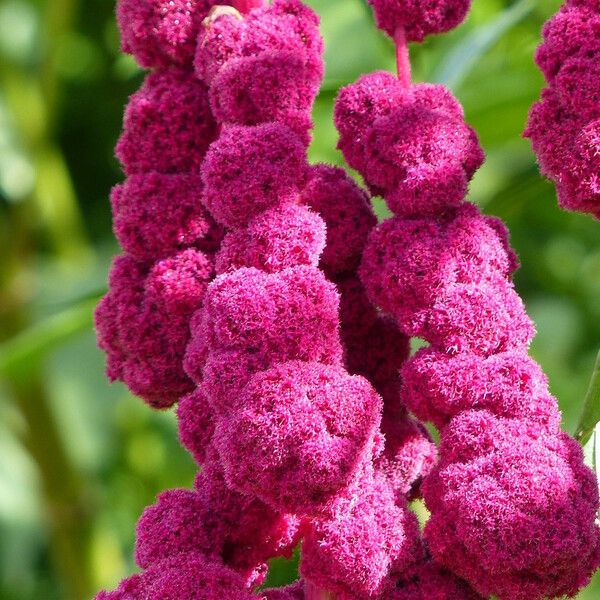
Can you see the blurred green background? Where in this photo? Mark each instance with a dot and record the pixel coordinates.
(79, 459)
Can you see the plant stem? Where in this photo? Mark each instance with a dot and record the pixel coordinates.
(591, 407)
(402, 57)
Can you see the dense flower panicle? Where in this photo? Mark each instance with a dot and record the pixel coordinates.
(189, 575)
(563, 125)
(301, 433)
(408, 455)
(408, 261)
(277, 239)
(485, 318)
(196, 424)
(161, 33)
(437, 387)
(168, 125)
(143, 321)
(355, 553)
(288, 315)
(251, 169)
(430, 581)
(155, 215)
(419, 18)
(513, 510)
(411, 144)
(274, 86)
(283, 26)
(347, 212)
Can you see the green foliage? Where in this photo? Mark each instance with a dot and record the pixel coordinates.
(63, 87)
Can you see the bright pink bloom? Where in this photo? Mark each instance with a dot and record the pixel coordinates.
(347, 212)
(419, 18)
(283, 237)
(356, 553)
(168, 125)
(289, 592)
(189, 575)
(513, 510)
(143, 322)
(160, 33)
(156, 215)
(283, 26)
(196, 424)
(407, 262)
(288, 315)
(438, 387)
(301, 433)
(250, 169)
(273, 86)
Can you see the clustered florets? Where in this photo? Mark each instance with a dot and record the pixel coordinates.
(260, 294)
(511, 501)
(564, 126)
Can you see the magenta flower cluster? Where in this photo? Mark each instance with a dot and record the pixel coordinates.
(512, 504)
(564, 126)
(260, 294)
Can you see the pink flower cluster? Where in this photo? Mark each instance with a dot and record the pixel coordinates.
(168, 236)
(512, 503)
(259, 293)
(564, 126)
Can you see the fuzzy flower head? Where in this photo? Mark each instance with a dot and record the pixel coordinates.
(407, 262)
(279, 238)
(283, 26)
(251, 169)
(161, 33)
(411, 145)
(168, 125)
(143, 322)
(347, 212)
(437, 387)
(283, 316)
(196, 424)
(355, 553)
(185, 575)
(300, 436)
(418, 17)
(156, 214)
(513, 510)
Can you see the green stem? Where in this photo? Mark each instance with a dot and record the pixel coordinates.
(591, 407)
(68, 509)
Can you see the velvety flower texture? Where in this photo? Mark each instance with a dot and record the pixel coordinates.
(429, 581)
(347, 212)
(356, 553)
(160, 33)
(156, 214)
(302, 432)
(419, 18)
(168, 125)
(501, 495)
(143, 322)
(250, 169)
(266, 67)
(442, 271)
(564, 126)
(410, 144)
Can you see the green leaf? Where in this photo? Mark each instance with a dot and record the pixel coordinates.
(454, 70)
(18, 354)
(590, 417)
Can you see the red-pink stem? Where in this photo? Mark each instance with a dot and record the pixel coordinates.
(245, 6)
(402, 57)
